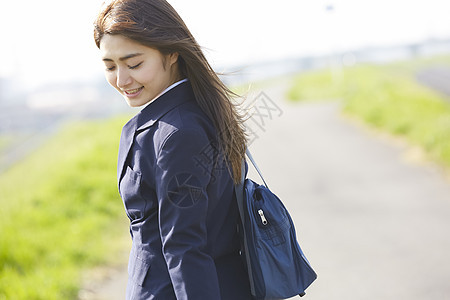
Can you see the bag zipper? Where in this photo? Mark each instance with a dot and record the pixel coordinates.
(263, 218)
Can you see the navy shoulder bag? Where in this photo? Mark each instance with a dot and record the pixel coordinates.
(276, 265)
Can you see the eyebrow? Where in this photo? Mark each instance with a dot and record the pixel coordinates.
(125, 57)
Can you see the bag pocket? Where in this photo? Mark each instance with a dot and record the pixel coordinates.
(275, 230)
(273, 222)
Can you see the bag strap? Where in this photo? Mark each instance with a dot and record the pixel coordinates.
(239, 191)
(249, 155)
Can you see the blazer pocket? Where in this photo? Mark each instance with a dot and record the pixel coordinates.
(138, 270)
(130, 191)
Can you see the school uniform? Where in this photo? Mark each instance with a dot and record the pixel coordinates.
(179, 197)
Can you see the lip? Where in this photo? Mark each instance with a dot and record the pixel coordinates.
(133, 93)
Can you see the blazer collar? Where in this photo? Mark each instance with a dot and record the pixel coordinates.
(163, 104)
(148, 116)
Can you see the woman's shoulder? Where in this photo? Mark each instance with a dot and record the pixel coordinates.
(185, 124)
(187, 117)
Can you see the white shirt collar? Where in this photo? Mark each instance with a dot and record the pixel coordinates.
(172, 86)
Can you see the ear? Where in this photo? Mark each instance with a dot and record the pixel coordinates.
(173, 58)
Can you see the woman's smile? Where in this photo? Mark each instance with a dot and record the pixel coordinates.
(133, 93)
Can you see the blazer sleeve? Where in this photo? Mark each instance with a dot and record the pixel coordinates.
(183, 171)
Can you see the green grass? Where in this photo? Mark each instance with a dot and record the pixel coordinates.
(389, 98)
(5, 141)
(60, 213)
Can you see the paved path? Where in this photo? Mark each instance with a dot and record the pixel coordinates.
(373, 225)
(437, 78)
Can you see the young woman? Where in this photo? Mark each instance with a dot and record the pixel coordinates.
(179, 158)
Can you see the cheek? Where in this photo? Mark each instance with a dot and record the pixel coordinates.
(148, 75)
(143, 75)
(111, 78)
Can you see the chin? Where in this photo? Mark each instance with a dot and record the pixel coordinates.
(133, 103)
(130, 104)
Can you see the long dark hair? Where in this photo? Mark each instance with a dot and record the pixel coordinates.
(156, 24)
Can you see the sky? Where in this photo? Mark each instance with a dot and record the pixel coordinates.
(51, 41)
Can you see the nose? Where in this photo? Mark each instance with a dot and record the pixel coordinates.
(123, 78)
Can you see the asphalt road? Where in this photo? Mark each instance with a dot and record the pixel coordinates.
(373, 223)
(437, 78)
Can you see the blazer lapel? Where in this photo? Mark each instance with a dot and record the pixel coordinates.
(126, 140)
(148, 116)
(165, 103)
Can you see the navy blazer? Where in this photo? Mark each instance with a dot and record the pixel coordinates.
(179, 197)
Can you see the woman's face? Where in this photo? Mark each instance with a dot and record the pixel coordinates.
(138, 72)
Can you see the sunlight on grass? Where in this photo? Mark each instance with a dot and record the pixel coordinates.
(5, 141)
(387, 97)
(60, 213)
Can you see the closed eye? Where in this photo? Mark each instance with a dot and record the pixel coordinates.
(135, 66)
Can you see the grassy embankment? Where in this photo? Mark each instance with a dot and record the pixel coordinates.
(389, 98)
(4, 142)
(61, 213)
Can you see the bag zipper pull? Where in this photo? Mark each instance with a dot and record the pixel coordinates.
(263, 218)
